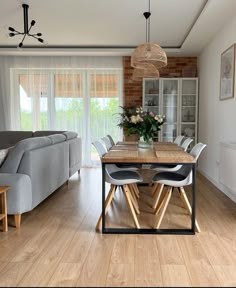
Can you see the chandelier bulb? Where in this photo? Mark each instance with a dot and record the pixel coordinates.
(33, 22)
(40, 40)
(39, 34)
(21, 44)
(11, 34)
(11, 29)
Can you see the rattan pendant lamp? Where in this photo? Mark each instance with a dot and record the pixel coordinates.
(145, 71)
(148, 53)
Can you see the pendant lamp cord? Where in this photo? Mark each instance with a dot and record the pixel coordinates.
(147, 16)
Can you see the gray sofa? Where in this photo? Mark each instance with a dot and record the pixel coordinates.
(37, 164)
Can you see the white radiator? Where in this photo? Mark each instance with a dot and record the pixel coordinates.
(227, 172)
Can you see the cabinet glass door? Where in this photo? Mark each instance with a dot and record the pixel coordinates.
(170, 96)
(151, 99)
(189, 108)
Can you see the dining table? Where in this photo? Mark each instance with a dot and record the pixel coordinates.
(163, 153)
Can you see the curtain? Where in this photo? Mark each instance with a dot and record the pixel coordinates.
(81, 94)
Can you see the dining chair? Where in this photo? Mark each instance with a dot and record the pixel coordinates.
(186, 144)
(111, 140)
(178, 140)
(108, 146)
(172, 167)
(177, 179)
(123, 178)
(107, 142)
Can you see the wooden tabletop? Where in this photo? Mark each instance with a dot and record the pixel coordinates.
(144, 155)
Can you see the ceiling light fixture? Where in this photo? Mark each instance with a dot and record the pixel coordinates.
(145, 71)
(27, 29)
(148, 53)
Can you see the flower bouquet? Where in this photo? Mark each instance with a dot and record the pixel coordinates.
(147, 124)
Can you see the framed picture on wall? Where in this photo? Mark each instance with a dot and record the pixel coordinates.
(227, 73)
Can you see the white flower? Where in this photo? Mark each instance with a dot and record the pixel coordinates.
(133, 119)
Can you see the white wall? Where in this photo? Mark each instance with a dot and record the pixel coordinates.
(217, 119)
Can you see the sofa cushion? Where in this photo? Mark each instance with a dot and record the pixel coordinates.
(57, 138)
(45, 133)
(12, 162)
(10, 138)
(3, 155)
(70, 135)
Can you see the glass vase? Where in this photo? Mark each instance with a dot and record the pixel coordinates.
(145, 144)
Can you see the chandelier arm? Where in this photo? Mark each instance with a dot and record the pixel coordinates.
(29, 30)
(22, 40)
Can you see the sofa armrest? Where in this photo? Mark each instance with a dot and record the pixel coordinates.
(19, 197)
(75, 155)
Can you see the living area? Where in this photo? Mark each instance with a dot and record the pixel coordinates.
(56, 100)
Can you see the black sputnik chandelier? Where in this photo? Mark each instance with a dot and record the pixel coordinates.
(14, 32)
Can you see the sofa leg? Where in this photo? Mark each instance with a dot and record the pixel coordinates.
(17, 220)
(67, 183)
(79, 172)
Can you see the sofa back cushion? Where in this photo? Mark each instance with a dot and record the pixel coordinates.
(70, 135)
(57, 138)
(14, 157)
(45, 133)
(3, 155)
(10, 138)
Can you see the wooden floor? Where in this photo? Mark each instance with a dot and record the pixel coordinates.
(57, 244)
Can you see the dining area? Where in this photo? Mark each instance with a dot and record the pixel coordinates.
(148, 190)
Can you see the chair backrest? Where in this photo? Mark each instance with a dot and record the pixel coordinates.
(197, 149)
(107, 142)
(186, 143)
(111, 140)
(100, 148)
(178, 140)
(185, 170)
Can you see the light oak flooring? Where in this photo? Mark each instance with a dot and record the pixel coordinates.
(57, 244)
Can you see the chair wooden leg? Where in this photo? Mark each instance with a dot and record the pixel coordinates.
(158, 193)
(166, 202)
(17, 220)
(187, 205)
(155, 189)
(126, 191)
(161, 202)
(4, 211)
(107, 204)
(136, 191)
(133, 199)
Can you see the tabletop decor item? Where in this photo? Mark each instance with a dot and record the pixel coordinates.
(147, 124)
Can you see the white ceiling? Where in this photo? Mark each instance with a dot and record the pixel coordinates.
(181, 27)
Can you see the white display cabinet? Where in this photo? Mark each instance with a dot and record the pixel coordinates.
(177, 99)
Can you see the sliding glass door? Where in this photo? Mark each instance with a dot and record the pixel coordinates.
(85, 101)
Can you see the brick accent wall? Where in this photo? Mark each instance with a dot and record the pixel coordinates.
(177, 67)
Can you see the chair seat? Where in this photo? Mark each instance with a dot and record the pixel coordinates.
(129, 166)
(159, 166)
(169, 177)
(126, 175)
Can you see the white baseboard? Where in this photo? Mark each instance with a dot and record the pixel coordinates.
(220, 186)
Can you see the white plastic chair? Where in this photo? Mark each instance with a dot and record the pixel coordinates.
(111, 140)
(186, 144)
(107, 142)
(178, 179)
(170, 167)
(117, 177)
(178, 140)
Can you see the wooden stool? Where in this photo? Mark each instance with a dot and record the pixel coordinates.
(3, 215)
